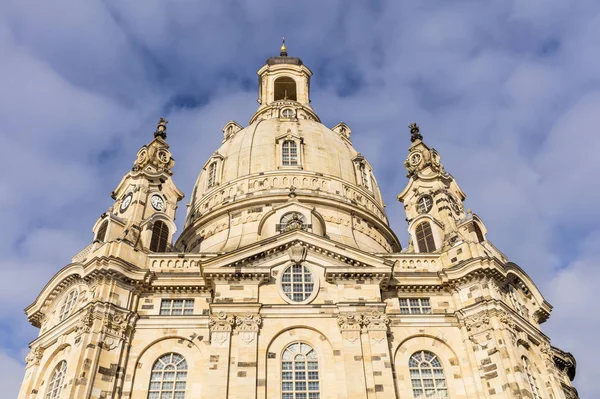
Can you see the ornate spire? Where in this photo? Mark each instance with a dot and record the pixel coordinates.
(283, 49)
(414, 131)
(161, 129)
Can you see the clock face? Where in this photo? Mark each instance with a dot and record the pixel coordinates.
(415, 158)
(125, 203)
(454, 205)
(424, 204)
(157, 202)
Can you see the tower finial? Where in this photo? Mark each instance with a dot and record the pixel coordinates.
(414, 131)
(161, 129)
(283, 49)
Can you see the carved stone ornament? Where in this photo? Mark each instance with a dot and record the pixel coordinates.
(221, 322)
(86, 322)
(477, 323)
(507, 320)
(249, 322)
(350, 321)
(297, 253)
(376, 321)
(34, 356)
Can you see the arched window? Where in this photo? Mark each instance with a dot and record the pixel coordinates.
(160, 236)
(516, 301)
(168, 377)
(364, 176)
(102, 231)
(68, 305)
(427, 376)
(425, 237)
(478, 232)
(289, 153)
(285, 89)
(299, 372)
(535, 391)
(57, 381)
(212, 174)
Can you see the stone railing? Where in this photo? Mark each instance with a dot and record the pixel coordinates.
(172, 262)
(81, 255)
(278, 183)
(416, 262)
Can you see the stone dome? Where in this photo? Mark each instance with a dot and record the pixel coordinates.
(286, 171)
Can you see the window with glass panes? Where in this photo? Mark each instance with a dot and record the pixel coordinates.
(57, 381)
(425, 239)
(176, 307)
(68, 305)
(300, 372)
(427, 376)
(531, 380)
(168, 377)
(516, 301)
(212, 174)
(297, 283)
(289, 153)
(415, 306)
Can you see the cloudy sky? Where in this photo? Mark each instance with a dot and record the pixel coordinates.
(507, 91)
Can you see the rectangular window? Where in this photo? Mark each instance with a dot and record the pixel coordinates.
(415, 306)
(176, 307)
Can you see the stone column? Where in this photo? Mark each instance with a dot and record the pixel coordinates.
(378, 363)
(243, 373)
(32, 360)
(217, 378)
(350, 328)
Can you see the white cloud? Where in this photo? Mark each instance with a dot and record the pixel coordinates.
(507, 92)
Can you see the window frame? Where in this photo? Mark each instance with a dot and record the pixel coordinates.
(55, 386)
(516, 301)
(531, 379)
(159, 238)
(419, 308)
(281, 283)
(187, 307)
(424, 237)
(416, 371)
(293, 147)
(211, 180)
(68, 304)
(295, 380)
(102, 230)
(156, 370)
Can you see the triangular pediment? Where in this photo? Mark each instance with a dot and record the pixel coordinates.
(340, 262)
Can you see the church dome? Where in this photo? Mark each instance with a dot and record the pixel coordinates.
(286, 170)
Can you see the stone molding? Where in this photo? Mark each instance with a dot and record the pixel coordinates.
(373, 321)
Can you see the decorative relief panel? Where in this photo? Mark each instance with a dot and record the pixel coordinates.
(352, 324)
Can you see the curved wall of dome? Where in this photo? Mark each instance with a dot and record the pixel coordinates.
(286, 170)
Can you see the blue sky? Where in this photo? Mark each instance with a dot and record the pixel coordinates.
(508, 92)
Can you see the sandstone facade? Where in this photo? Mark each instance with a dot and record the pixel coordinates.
(288, 282)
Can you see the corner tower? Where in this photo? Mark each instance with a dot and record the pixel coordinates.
(433, 202)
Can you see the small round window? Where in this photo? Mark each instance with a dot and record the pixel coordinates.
(287, 113)
(297, 283)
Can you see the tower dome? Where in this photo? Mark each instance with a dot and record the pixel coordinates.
(286, 166)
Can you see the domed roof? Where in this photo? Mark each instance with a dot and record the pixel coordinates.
(253, 150)
(286, 162)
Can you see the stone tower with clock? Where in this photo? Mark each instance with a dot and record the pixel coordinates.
(145, 200)
(287, 281)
